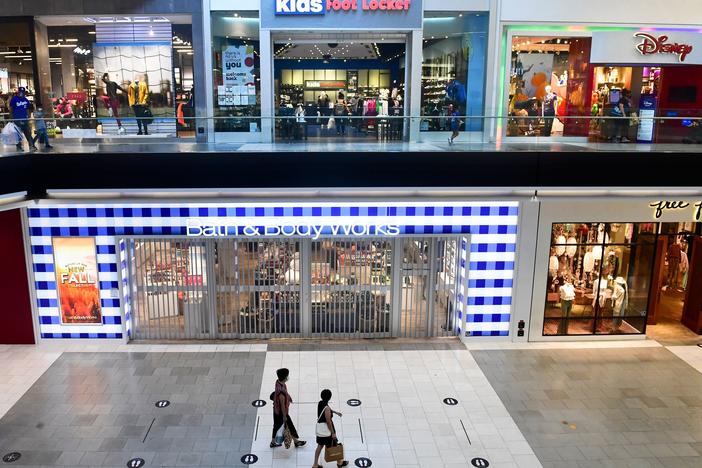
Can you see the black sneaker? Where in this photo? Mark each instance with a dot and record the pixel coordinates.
(300, 443)
(275, 444)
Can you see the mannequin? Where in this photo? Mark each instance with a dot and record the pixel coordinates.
(674, 255)
(567, 295)
(553, 265)
(549, 110)
(620, 302)
(599, 289)
(560, 248)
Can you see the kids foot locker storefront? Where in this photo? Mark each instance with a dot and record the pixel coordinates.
(263, 270)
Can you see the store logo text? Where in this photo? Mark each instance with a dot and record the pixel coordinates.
(195, 228)
(662, 206)
(318, 7)
(659, 45)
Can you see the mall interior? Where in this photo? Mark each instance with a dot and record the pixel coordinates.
(440, 232)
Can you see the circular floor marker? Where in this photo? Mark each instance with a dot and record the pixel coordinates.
(11, 457)
(258, 403)
(162, 403)
(480, 462)
(353, 402)
(450, 401)
(136, 463)
(249, 459)
(363, 462)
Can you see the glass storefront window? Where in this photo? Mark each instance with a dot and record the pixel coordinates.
(15, 64)
(454, 51)
(549, 80)
(599, 275)
(236, 71)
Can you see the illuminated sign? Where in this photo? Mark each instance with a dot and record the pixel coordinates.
(320, 7)
(75, 264)
(651, 44)
(196, 227)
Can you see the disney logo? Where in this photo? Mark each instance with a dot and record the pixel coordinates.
(660, 45)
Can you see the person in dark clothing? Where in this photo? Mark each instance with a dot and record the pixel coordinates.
(110, 99)
(20, 107)
(326, 432)
(281, 405)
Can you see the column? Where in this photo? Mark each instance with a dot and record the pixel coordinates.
(524, 271)
(413, 87)
(493, 99)
(68, 69)
(202, 74)
(266, 77)
(41, 65)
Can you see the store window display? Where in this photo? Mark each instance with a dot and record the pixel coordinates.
(599, 276)
(236, 71)
(549, 86)
(453, 68)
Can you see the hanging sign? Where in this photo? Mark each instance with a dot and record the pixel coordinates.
(238, 65)
(75, 264)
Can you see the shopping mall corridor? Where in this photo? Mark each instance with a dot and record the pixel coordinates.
(617, 404)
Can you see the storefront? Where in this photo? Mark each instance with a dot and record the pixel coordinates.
(569, 81)
(82, 66)
(353, 71)
(617, 269)
(262, 270)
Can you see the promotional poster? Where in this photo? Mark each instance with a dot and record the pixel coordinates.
(238, 64)
(75, 264)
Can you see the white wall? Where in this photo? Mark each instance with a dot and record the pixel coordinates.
(670, 12)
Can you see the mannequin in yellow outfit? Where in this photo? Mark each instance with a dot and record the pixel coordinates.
(138, 95)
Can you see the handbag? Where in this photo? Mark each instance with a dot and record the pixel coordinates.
(335, 453)
(149, 116)
(322, 429)
(287, 436)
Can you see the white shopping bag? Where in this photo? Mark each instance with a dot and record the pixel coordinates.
(11, 134)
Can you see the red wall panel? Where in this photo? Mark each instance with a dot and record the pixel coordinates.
(16, 310)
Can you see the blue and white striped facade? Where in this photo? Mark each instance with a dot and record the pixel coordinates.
(485, 296)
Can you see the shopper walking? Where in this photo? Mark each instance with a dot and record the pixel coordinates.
(326, 432)
(20, 107)
(42, 135)
(454, 122)
(281, 407)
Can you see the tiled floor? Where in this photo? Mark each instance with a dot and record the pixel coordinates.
(638, 407)
(98, 409)
(612, 404)
(402, 417)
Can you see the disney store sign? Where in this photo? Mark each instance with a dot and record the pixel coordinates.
(659, 44)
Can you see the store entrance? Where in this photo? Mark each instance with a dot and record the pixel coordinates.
(340, 87)
(676, 299)
(227, 288)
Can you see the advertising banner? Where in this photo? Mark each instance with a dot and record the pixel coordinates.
(75, 264)
(238, 65)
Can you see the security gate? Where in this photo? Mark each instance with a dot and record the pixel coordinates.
(169, 283)
(183, 288)
(258, 288)
(429, 286)
(351, 287)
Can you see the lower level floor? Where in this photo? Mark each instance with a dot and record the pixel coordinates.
(405, 404)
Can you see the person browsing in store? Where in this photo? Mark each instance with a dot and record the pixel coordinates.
(20, 107)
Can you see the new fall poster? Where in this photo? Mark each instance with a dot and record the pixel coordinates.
(75, 264)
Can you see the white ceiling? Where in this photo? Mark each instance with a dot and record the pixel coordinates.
(348, 50)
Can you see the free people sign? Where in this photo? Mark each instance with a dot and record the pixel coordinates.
(341, 14)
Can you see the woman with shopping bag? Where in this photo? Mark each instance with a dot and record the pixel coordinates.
(281, 416)
(326, 433)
